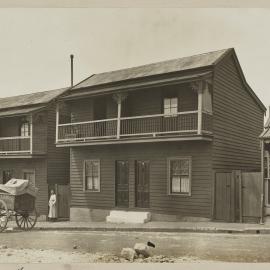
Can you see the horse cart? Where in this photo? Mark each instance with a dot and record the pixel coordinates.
(18, 202)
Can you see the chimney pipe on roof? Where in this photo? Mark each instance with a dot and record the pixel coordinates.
(71, 63)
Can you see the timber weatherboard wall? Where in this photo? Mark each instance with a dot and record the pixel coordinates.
(199, 204)
(140, 102)
(237, 121)
(58, 158)
(10, 126)
(40, 132)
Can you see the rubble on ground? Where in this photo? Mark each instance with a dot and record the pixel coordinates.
(107, 258)
(142, 249)
(128, 254)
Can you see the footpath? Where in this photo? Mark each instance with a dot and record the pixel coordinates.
(154, 226)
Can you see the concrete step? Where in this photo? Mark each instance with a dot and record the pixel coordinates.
(120, 216)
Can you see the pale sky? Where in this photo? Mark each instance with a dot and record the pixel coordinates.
(35, 44)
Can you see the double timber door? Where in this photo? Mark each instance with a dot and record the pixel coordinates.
(141, 184)
(121, 184)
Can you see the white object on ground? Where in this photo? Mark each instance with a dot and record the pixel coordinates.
(129, 254)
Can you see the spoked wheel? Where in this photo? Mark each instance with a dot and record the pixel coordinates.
(3, 215)
(26, 220)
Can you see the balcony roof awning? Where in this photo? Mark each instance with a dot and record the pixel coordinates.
(19, 111)
(129, 86)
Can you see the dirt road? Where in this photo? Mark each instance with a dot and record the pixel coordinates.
(78, 246)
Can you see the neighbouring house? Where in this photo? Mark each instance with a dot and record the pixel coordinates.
(265, 138)
(27, 146)
(164, 138)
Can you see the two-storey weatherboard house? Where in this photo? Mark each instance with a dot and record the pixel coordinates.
(27, 145)
(158, 138)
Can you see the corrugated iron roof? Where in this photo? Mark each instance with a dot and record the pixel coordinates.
(180, 64)
(20, 111)
(30, 99)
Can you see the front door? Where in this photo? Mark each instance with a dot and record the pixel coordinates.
(121, 184)
(63, 201)
(142, 184)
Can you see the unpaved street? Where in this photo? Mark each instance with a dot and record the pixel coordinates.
(78, 246)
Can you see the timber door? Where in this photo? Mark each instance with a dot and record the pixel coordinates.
(63, 201)
(142, 184)
(223, 196)
(251, 196)
(121, 184)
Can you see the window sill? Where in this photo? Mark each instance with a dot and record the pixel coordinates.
(180, 194)
(91, 191)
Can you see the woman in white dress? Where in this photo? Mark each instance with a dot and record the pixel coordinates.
(52, 206)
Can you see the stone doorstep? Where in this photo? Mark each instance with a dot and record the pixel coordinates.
(118, 216)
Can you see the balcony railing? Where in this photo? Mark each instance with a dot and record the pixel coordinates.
(182, 123)
(15, 145)
(159, 124)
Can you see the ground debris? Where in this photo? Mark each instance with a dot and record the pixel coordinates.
(109, 258)
(142, 249)
(128, 254)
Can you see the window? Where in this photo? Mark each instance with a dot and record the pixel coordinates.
(179, 175)
(170, 106)
(7, 175)
(92, 175)
(29, 175)
(25, 129)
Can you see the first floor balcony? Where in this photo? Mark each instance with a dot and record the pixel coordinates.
(147, 127)
(15, 145)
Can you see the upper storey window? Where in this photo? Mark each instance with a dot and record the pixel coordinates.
(170, 106)
(25, 129)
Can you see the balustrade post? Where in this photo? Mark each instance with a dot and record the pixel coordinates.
(198, 86)
(57, 123)
(31, 134)
(119, 98)
(119, 105)
(200, 99)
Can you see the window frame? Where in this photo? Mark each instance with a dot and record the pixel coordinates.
(29, 171)
(28, 129)
(177, 106)
(169, 182)
(84, 176)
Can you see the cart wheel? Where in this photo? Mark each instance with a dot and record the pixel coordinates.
(26, 220)
(3, 215)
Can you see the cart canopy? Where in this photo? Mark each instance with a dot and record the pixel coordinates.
(18, 187)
